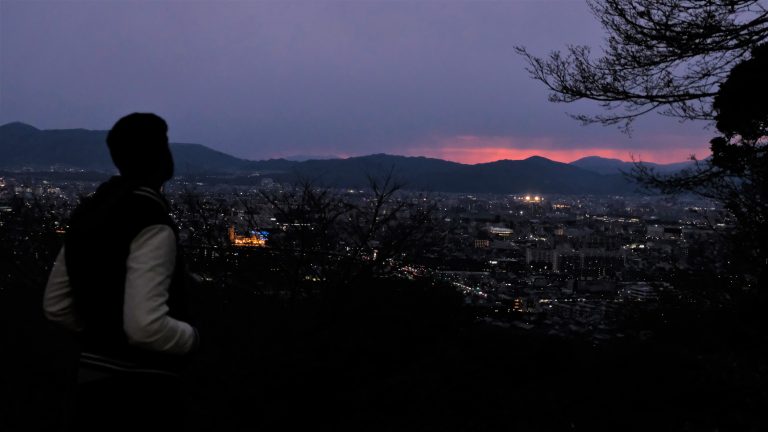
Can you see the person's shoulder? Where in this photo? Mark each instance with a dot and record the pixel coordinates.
(146, 199)
(145, 196)
(145, 206)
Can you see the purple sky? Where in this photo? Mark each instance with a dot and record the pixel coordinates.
(270, 79)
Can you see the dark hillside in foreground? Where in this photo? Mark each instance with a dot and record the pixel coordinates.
(398, 355)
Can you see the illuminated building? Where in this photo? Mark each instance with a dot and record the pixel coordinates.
(539, 259)
(481, 244)
(501, 231)
(586, 262)
(640, 291)
(254, 240)
(533, 199)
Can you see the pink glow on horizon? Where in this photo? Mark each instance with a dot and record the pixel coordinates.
(471, 149)
(477, 155)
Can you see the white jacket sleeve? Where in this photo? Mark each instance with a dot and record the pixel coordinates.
(149, 271)
(57, 300)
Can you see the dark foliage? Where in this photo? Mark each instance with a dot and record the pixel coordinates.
(737, 173)
(389, 354)
(660, 55)
(335, 240)
(693, 60)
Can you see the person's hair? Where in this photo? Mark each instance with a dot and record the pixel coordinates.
(138, 144)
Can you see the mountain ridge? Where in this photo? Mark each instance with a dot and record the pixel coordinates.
(603, 165)
(23, 146)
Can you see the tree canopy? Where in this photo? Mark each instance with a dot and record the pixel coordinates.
(737, 173)
(667, 56)
(695, 60)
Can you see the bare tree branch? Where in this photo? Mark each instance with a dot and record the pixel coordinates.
(667, 56)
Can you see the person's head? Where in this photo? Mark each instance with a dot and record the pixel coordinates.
(138, 144)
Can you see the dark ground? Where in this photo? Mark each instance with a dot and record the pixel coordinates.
(405, 356)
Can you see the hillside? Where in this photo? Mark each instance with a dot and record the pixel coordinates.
(24, 147)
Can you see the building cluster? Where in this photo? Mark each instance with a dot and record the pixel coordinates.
(564, 264)
(570, 264)
(255, 239)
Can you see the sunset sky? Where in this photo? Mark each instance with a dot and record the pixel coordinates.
(317, 78)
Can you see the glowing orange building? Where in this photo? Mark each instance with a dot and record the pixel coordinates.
(254, 240)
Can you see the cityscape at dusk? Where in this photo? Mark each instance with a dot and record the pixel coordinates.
(375, 215)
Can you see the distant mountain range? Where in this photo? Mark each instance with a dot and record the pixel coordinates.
(25, 147)
(602, 165)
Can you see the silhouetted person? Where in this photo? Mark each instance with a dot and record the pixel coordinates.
(118, 283)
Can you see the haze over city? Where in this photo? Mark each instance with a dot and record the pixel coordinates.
(265, 80)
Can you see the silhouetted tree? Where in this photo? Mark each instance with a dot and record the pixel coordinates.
(28, 238)
(695, 60)
(205, 218)
(661, 55)
(387, 229)
(338, 240)
(737, 173)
